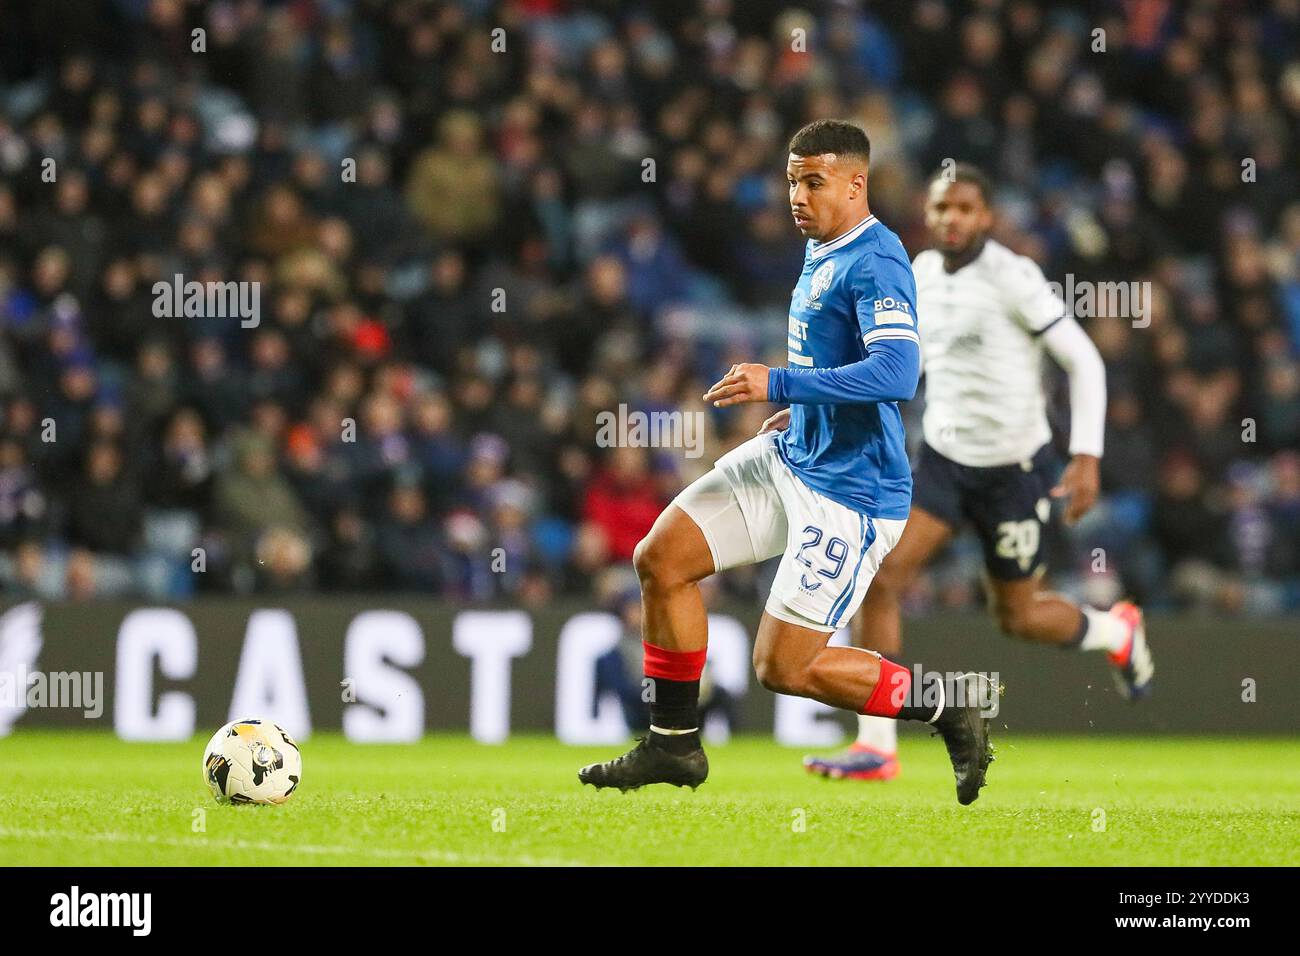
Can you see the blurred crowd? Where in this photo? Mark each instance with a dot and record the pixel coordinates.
(474, 226)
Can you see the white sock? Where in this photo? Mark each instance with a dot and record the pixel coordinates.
(878, 733)
(1105, 632)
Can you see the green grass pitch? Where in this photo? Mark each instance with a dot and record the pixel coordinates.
(78, 799)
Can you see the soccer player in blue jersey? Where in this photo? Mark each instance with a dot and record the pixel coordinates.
(830, 494)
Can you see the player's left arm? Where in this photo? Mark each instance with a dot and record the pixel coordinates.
(889, 373)
(1045, 316)
(1071, 348)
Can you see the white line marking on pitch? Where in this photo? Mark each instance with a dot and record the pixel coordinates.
(203, 843)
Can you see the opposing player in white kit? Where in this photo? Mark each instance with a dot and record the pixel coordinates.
(830, 493)
(986, 317)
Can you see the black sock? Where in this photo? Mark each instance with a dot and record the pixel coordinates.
(675, 706)
(925, 701)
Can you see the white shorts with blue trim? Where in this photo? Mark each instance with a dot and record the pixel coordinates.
(752, 507)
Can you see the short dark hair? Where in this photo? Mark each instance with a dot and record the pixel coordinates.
(967, 173)
(831, 136)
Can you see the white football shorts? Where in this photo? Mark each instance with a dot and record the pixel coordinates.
(752, 507)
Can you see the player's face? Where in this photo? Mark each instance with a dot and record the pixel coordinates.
(822, 192)
(956, 215)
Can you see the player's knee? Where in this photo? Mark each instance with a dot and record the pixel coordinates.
(653, 563)
(779, 676)
(1013, 619)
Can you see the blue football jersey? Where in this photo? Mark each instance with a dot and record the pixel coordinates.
(854, 290)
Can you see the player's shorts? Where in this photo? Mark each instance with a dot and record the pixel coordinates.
(752, 507)
(1008, 505)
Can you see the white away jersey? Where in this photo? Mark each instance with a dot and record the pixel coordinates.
(980, 328)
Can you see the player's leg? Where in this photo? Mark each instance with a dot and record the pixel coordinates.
(1026, 611)
(706, 529)
(936, 513)
(830, 562)
(795, 659)
(669, 561)
(878, 627)
(1010, 514)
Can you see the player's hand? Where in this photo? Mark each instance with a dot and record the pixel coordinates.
(1079, 485)
(776, 423)
(744, 383)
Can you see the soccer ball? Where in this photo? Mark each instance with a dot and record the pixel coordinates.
(252, 761)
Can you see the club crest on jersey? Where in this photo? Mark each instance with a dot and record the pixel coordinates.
(821, 280)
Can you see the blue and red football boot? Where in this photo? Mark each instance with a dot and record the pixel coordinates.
(859, 762)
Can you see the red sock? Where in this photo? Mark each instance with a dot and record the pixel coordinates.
(674, 679)
(673, 665)
(891, 691)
